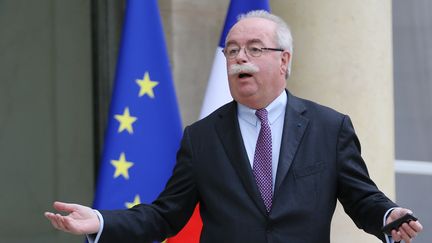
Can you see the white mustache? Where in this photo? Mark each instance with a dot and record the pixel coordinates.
(243, 68)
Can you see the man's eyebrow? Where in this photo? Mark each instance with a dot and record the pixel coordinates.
(253, 41)
(230, 42)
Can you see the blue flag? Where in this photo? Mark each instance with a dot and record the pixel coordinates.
(144, 127)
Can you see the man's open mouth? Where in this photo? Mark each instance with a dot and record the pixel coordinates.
(244, 75)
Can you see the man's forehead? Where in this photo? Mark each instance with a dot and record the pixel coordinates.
(252, 28)
(247, 41)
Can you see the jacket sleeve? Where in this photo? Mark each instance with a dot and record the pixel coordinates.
(166, 216)
(360, 197)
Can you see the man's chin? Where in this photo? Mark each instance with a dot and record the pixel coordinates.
(246, 98)
(246, 93)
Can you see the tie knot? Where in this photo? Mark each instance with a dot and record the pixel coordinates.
(262, 115)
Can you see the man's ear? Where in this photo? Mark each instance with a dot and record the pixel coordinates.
(285, 58)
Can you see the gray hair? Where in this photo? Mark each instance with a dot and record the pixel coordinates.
(283, 33)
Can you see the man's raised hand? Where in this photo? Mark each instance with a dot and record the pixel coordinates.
(80, 219)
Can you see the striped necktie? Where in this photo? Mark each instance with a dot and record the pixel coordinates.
(262, 165)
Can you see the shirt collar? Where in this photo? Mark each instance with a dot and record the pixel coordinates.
(274, 109)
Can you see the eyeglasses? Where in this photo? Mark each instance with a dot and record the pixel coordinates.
(253, 50)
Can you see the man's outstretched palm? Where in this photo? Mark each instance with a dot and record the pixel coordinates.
(80, 219)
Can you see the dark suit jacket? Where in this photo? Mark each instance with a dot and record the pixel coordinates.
(319, 163)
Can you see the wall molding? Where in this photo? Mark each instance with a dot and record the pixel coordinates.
(413, 167)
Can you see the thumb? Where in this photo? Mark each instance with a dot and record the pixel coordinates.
(399, 212)
(404, 211)
(64, 207)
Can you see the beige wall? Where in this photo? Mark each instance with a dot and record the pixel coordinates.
(342, 59)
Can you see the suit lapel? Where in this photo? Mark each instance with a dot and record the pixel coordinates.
(229, 133)
(294, 127)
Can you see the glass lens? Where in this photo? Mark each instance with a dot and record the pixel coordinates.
(232, 51)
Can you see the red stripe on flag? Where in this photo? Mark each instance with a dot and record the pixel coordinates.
(192, 230)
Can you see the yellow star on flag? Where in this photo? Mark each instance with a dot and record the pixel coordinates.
(122, 166)
(146, 85)
(126, 121)
(136, 201)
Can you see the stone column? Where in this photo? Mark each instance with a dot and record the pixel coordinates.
(343, 59)
(192, 29)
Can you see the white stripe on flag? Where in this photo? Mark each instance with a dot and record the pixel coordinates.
(217, 93)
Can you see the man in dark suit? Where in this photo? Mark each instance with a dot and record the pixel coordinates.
(267, 167)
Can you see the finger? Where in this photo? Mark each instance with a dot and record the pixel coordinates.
(52, 219)
(404, 235)
(64, 207)
(60, 222)
(65, 224)
(396, 235)
(416, 226)
(409, 230)
(57, 222)
(48, 215)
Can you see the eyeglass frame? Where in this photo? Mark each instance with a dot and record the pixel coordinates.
(262, 49)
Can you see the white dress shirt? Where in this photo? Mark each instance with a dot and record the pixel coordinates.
(250, 127)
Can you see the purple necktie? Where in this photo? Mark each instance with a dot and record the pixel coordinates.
(262, 165)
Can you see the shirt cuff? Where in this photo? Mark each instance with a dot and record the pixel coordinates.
(388, 238)
(94, 238)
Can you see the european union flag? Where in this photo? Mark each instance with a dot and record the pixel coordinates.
(144, 128)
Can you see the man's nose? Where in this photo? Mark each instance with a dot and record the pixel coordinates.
(242, 56)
